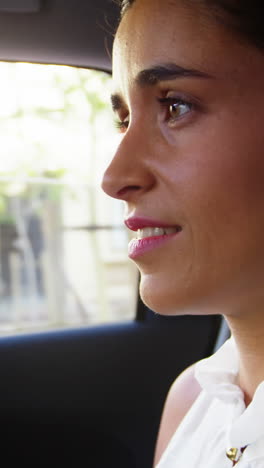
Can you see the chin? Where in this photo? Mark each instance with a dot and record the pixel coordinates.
(166, 298)
(162, 301)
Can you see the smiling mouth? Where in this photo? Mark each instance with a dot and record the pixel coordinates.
(148, 232)
(149, 239)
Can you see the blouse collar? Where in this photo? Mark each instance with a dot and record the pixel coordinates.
(217, 375)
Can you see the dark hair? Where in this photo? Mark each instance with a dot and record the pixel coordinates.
(125, 4)
(244, 17)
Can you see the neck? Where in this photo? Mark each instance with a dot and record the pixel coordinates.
(248, 332)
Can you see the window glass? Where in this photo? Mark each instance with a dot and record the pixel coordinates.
(63, 245)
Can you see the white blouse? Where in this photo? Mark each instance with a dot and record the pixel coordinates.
(218, 420)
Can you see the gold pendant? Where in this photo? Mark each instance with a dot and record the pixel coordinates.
(234, 454)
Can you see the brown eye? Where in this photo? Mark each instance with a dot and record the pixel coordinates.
(178, 109)
(175, 108)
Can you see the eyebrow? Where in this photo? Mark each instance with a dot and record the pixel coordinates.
(154, 75)
(170, 71)
(117, 102)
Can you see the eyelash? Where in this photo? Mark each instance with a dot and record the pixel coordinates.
(121, 125)
(166, 102)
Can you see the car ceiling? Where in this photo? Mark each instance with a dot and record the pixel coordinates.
(72, 32)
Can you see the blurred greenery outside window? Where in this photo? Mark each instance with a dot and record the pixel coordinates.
(63, 245)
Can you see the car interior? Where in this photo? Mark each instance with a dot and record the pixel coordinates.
(93, 395)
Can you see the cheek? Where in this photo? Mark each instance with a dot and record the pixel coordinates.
(225, 208)
(221, 190)
(218, 166)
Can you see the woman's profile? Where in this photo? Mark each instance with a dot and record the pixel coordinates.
(188, 95)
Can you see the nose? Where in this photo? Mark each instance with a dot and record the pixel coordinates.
(129, 174)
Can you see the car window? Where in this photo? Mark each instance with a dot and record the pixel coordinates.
(63, 245)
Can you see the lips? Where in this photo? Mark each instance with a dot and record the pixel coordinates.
(150, 235)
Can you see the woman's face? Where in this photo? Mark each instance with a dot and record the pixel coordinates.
(189, 96)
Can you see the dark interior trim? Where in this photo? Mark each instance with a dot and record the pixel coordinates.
(70, 32)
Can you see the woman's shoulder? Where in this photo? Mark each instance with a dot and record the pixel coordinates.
(181, 397)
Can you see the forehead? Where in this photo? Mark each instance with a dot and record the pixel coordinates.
(180, 32)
